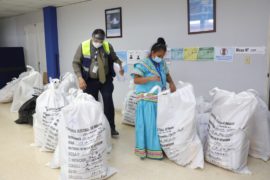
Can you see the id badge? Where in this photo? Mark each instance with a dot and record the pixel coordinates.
(95, 68)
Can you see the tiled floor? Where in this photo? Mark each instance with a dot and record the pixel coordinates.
(20, 161)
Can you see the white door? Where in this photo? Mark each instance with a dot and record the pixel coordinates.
(35, 46)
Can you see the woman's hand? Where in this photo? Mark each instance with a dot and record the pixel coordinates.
(82, 83)
(172, 87)
(171, 83)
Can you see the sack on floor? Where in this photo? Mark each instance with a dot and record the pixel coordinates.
(55, 162)
(48, 108)
(26, 112)
(177, 127)
(227, 143)
(83, 140)
(129, 110)
(29, 86)
(7, 92)
(258, 130)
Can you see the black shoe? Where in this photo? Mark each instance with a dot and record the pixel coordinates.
(114, 133)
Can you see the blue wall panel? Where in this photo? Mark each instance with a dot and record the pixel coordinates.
(51, 41)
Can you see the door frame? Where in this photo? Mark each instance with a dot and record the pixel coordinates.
(268, 63)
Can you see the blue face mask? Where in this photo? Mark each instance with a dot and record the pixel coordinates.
(157, 59)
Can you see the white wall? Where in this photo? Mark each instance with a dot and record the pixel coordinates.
(24, 20)
(8, 36)
(239, 23)
(12, 32)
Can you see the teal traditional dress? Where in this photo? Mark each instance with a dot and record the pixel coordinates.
(147, 140)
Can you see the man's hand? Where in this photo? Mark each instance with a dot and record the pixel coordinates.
(82, 83)
(121, 71)
(172, 87)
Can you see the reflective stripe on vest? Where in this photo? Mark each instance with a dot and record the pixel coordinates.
(86, 52)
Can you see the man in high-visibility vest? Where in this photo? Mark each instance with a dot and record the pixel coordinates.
(93, 65)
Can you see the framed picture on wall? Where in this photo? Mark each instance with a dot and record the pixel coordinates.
(113, 19)
(201, 16)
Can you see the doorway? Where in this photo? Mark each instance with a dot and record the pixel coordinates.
(35, 46)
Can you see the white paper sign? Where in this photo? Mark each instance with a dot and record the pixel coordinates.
(224, 54)
(249, 50)
(168, 54)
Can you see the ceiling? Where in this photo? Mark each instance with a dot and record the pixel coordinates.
(16, 7)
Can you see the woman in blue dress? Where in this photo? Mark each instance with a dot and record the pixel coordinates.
(149, 73)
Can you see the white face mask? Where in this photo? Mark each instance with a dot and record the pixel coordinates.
(97, 44)
(157, 59)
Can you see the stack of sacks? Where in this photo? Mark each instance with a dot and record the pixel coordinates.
(7, 92)
(258, 130)
(203, 112)
(130, 104)
(74, 126)
(176, 125)
(84, 140)
(30, 85)
(227, 143)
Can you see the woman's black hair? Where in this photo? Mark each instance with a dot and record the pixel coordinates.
(159, 45)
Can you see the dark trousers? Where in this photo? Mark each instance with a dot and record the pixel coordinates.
(106, 90)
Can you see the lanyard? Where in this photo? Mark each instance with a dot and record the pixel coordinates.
(158, 69)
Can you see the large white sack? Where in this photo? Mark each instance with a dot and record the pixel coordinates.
(7, 92)
(177, 127)
(202, 126)
(203, 112)
(227, 143)
(202, 106)
(258, 130)
(56, 160)
(68, 81)
(83, 140)
(129, 110)
(29, 85)
(38, 131)
(46, 120)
